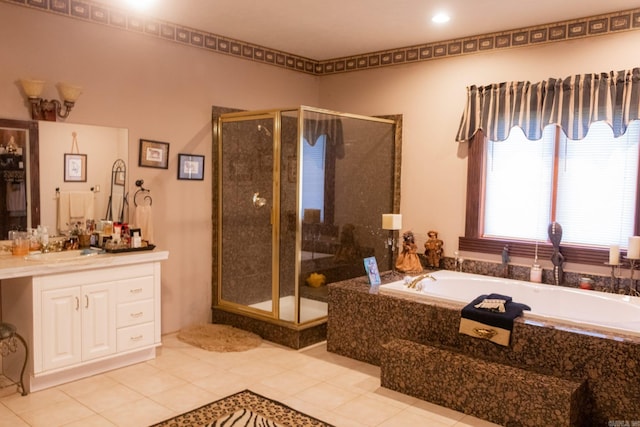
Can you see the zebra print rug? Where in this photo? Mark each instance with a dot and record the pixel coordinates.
(245, 408)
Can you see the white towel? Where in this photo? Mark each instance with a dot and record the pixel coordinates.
(74, 206)
(144, 221)
(16, 198)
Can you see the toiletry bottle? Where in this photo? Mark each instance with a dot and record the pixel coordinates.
(536, 273)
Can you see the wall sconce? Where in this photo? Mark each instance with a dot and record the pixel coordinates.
(44, 109)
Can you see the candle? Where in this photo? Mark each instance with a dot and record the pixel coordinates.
(614, 254)
(634, 247)
(391, 221)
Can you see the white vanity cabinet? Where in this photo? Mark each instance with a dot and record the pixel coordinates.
(82, 321)
(78, 322)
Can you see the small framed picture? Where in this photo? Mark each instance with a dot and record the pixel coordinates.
(119, 178)
(190, 166)
(154, 154)
(371, 266)
(75, 167)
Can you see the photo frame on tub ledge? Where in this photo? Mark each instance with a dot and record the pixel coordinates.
(190, 167)
(154, 154)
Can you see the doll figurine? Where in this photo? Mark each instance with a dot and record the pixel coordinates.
(408, 260)
(434, 249)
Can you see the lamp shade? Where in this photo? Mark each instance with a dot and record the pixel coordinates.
(32, 88)
(391, 221)
(69, 92)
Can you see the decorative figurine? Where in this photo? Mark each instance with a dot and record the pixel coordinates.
(408, 260)
(433, 249)
(555, 235)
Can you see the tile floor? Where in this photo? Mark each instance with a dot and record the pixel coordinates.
(336, 389)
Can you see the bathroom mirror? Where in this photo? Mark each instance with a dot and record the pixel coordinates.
(19, 189)
(116, 206)
(102, 145)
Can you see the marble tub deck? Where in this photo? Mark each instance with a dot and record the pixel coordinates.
(361, 321)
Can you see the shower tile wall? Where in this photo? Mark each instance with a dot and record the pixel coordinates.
(247, 169)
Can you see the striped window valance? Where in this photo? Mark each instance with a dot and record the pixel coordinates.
(572, 103)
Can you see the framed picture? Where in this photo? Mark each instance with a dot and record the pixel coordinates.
(371, 266)
(119, 178)
(190, 166)
(154, 154)
(75, 167)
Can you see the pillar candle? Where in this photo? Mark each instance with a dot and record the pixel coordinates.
(614, 254)
(634, 247)
(391, 221)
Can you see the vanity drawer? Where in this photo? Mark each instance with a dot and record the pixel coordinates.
(134, 313)
(135, 289)
(135, 337)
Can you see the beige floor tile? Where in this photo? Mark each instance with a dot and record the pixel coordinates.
(109, 397)
(152, 384)
(256, 371)
(192, 370)
(92, 421)
(183, 398)
(138, 413)
(87, 385)
(326, 395)
(223, 381)
(57, 415)
(368, 410)
(35, 401)
(10, 419)
(291, 382)
(407, 418)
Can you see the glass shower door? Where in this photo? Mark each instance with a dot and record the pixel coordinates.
(245, 217)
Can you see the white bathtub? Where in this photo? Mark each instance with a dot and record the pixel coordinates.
(589, 310)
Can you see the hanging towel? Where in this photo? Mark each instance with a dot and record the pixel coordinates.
(16, 199)
(144, 221)
(74, 206)
(491, 323)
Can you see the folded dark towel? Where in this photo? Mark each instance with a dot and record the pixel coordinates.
(493, 318)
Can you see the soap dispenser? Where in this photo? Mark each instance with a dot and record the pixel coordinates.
(535, 275)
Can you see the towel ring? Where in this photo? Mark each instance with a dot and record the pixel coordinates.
(142, 192)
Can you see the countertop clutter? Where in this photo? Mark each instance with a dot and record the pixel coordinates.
(12, 266)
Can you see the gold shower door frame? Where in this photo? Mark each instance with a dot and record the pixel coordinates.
(274, 313)
(273, 316)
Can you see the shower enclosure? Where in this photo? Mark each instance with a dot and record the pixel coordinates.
(300, 197)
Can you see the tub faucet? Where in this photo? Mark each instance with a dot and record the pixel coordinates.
(414, 282)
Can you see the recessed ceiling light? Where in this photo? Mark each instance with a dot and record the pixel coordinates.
(441, 18)
(140, 4)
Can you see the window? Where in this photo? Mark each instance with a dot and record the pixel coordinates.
(518, 186)
(313, 174)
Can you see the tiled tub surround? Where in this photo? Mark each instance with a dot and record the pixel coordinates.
(361, 321)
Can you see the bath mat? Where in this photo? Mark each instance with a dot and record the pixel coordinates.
(245, 408)
(220, 338)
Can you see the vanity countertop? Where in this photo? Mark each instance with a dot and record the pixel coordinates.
(66, 261)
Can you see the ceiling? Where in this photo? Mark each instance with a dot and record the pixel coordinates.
(329, 29)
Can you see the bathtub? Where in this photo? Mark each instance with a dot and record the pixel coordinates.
(587, 310)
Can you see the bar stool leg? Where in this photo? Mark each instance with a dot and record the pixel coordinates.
(24, 365)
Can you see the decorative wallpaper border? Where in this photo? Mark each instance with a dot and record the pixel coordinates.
(549, 33)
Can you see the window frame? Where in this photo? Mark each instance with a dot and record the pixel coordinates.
(473, 241)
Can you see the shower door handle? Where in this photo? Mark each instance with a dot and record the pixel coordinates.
(258, 201)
